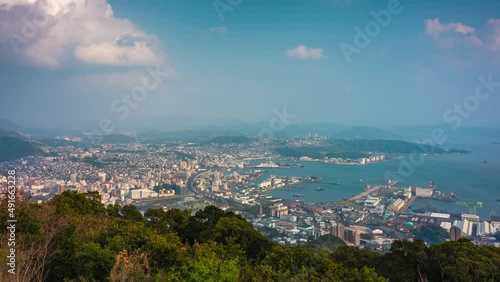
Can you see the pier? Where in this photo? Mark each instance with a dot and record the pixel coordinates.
(408, 204)
(365, 193)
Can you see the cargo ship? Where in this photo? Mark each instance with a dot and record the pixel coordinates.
(447, 197)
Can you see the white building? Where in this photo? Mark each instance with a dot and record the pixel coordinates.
(423, 192)
(371, 202)
(396, 205)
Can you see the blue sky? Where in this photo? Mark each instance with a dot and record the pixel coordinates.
(262, 55)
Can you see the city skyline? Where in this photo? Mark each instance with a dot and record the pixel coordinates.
(240, 61)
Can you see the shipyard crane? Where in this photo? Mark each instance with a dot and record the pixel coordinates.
(472, 206)
(494, 211)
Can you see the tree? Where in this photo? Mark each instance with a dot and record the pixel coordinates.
(71, 202)
(464, 261)
(407, 261)
(130, 267)
(431, 233)
(175, 220)
(209, 265)
(113, 210)
(131, 212)
(352, 257)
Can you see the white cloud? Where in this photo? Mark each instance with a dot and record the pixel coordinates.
(221, 30)
(494, 37)
(302, 52)
(54, 32)
(435, 27)
(451, 35)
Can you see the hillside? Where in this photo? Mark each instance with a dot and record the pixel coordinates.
(222, 140)
(117, 139)
(12, 148)
(364, 132)
(360, 148)
(6, 133)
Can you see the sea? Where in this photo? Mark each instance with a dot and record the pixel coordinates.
(474, 177)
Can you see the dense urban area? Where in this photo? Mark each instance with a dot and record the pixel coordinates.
(227, 172)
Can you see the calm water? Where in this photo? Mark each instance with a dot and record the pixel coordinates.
(465, 175)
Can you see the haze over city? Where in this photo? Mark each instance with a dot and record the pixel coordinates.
(240, 62)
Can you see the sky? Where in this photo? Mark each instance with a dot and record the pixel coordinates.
(75, 63)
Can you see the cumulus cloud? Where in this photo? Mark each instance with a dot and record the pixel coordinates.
(54, 32)
(451, 35)
(302, 52)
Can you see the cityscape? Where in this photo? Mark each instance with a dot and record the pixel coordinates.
(237, 140)
(229, 172)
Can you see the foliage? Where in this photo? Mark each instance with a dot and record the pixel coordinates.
(431, 233)
(12, 148)
(74, 237)
(326, 242)
(360, 148)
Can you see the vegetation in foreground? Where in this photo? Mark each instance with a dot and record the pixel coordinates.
(74, 237)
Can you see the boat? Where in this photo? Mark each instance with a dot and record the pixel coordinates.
(298, 195)
(319, 189)
(267, 165)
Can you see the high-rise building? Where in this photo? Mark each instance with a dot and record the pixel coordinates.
(73, 178)
(455, 233)
(352, 236)
(60, 188)
(278, 209)
(102, 177)
(337, 230)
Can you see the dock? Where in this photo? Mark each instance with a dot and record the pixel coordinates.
(408, 204)
(365, 193)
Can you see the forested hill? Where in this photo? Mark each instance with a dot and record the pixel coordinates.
(12, 148)
(361, 148)
(74, 237)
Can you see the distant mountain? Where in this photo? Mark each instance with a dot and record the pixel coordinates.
(221, 140)
(194, 135)
(422, 132)
(364, 132)
(8, 125)
(38, 132)
(117, 139)
(5, 133)
(387, 146)
(360, 148)
(52, 132)
(12, 148)
(320, 128)
(60, 143)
